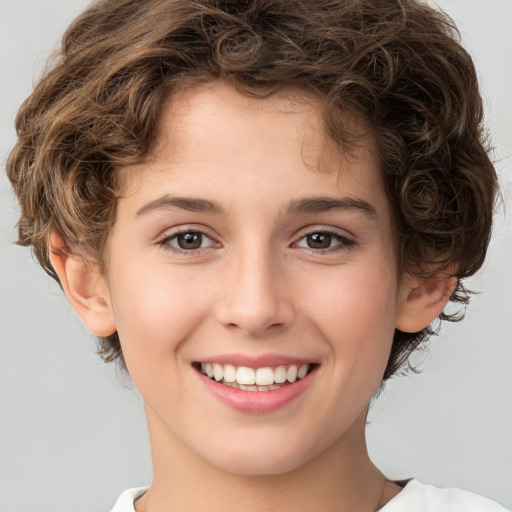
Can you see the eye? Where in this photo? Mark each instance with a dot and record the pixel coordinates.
(185, 241)
(324, 241)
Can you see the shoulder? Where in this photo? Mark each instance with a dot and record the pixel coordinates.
(125, 501)
(418, 497)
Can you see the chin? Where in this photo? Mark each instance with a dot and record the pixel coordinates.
(259, 462)
(259, 467)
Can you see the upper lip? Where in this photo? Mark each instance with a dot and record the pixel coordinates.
(261, 361)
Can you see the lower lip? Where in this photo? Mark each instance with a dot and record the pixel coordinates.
(258, 401)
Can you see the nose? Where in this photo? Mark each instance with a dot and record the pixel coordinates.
(255, 295)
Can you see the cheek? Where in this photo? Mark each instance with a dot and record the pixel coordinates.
(356, 314)
(155, 310)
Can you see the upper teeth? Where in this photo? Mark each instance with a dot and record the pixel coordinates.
(254, 376)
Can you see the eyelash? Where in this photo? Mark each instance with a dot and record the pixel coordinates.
(344, 243)
(165, 242)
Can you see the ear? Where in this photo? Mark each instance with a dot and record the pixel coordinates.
(85, 288)
(422, 300)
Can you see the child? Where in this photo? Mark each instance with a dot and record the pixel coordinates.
(259, 207)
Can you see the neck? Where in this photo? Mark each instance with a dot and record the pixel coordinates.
(340, 479)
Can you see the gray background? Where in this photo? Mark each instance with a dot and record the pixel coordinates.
(72, 431)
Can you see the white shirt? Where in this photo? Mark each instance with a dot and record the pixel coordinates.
(415, 497)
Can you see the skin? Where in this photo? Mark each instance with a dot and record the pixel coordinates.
(253, 287)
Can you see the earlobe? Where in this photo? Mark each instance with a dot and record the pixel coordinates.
(423, 300)
(85, 288)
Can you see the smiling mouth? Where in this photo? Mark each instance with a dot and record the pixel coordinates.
(255, 379)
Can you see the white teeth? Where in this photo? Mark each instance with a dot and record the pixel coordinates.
(280, 375)
(229, 373)
(291, 373)
(218, 372)
(245, 375)
(244, 387)
(303, 370)
(249, 379)
(264, 376)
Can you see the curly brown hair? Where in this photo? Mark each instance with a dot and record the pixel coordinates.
(396, 64)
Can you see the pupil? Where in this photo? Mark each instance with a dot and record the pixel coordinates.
(190, 240)
(319, 240)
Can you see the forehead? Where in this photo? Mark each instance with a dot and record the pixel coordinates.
(294, 113)
(210, 132)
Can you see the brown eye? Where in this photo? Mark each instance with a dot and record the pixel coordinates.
(187, 241)
(324, 242)
(319, 240)
(190, 240)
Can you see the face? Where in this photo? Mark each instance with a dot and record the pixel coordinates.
(252, 279)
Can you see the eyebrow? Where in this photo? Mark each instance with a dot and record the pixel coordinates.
(305, 205)
(190, 204)
(326, 204)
